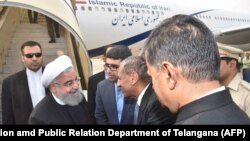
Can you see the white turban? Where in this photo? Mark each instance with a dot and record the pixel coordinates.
(54, 69)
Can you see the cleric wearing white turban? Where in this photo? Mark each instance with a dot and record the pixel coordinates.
(65, 104)
(54, 69)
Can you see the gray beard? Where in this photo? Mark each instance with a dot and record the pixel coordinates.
(72, 99)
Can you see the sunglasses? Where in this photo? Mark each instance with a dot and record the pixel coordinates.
(31, 55)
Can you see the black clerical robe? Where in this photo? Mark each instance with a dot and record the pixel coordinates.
(48, 111)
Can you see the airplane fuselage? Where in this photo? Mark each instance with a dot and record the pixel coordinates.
(104, 22)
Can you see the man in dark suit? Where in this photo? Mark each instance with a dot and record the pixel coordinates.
(64, 104)
(183, 60)
(93, 81)
(23, 90)
(111, 106)
(136, 83)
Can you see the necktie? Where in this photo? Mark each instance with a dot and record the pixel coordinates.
(136, 113)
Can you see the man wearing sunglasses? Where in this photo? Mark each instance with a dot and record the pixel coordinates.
(231, 76)
(111, 106)
(23, 90)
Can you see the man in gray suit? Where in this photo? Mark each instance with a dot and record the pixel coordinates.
(111, 106)
(94, 80)
(183, 60)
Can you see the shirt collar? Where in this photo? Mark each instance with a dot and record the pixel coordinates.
(30, 72)
(213, 91)
(58, 100)
(141, 95)
(234, 84)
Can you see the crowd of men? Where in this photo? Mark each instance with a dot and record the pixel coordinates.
(181, 76)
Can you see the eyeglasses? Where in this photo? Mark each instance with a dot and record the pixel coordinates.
(69, 83)
(112, 67)
(30, 55)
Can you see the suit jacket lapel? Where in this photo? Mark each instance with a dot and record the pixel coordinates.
(25, 93)
(125, 109)
(144, 103)
(113, 105)
(46, 89)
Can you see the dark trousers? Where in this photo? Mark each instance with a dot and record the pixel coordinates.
(53, 29)
(32, 16)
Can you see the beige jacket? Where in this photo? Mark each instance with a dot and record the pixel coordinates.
(240, 92)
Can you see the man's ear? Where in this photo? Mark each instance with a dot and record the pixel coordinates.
(22, 57)
(233, 64)
(170, 74)
(134, 77)
(52, 88)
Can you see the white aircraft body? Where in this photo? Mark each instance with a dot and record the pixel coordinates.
(98, 23)
(129, 22)
(105, 22)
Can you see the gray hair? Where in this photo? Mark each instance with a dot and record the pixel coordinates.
(187, 43)
(137, 64)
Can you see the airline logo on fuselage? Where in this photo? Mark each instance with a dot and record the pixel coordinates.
(121, 4)
(80, 2)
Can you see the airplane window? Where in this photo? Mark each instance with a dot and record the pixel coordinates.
(83, 8)
(138, 11)
(132, 11)
(96, 9)
(103, 9)
(153, 12)
(90, 8)
(127, 11)
(109, 9)
(115, 9)
(121, 10)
